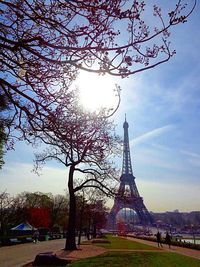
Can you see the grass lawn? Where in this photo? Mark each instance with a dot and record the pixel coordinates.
(138, 259)
(134, 258)
(123, 243)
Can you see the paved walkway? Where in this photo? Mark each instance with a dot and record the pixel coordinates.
(21, 255)
(18, 255)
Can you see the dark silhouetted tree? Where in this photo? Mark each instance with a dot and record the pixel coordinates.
(85, 143)
(44, 44)
(5, 212)
(59, 211)
(4, 122)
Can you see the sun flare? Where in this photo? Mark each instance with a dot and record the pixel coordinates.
(96, 91)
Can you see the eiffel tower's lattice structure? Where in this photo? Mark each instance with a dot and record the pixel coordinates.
(132, 200)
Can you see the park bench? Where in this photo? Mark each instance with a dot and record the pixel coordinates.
(14, 241)
(29, 239)
(55, 236)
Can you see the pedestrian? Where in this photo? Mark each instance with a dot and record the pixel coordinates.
(158, 237)
(168, 239)
(36, 236)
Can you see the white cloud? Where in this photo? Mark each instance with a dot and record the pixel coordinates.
(18, 177)
(152, 134)
(190, 154)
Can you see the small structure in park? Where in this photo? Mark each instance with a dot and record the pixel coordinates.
(128, 196)
(24, 227)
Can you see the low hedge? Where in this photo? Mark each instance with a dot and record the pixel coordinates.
(175, 243)
(6, 240)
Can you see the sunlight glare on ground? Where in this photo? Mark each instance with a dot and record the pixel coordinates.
(96, 91)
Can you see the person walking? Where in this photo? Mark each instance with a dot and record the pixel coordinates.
(36, 236)
(168, 239)
(158, 237)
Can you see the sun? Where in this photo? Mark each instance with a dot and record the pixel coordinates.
(95, 91)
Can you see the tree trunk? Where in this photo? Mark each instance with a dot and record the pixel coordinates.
(71, 229)
(89, 228)
(81, 222)
(94, 229)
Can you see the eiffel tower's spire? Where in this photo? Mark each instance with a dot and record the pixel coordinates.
(126, 164)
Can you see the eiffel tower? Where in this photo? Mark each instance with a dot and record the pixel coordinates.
(132, 200)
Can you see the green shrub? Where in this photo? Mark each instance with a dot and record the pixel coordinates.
(175, 243)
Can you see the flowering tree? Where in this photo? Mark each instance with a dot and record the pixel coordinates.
(43, 45)
(84, 143)
(39, 217)
(4, 121)
(2, 137)
(32, 207)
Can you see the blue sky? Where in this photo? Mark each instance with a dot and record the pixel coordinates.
(163, 111)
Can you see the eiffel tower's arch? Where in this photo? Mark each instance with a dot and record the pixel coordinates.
(128, 196)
